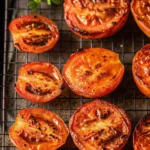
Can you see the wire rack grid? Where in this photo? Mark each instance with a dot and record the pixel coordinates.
(126, 42)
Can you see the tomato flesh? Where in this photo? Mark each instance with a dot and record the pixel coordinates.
(93, 72)
(39, 82)
(96, 19)
(34, 33)
(38, 129)
(99, 125)
(140, 69)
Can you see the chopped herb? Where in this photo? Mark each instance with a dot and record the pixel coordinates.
(34, 4)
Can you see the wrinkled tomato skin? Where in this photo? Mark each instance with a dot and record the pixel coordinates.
(99, 125)
(39, 82)
(140, 12)
(141, 134)
(93, 72)
(38, 129)
(34, 33)
(96, 19)
(140, 69)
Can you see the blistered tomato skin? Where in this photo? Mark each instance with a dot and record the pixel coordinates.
(141, 69)
(99, 125)
(34, 33)
(140, 10)
(38, 129)
(141, 134)
(39, 82)
(93, 72)
(96, 19)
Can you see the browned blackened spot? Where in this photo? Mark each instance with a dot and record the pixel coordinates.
(146, 133)
(124, 136)
(113, 77)
(17, 46)
(82, 32)
(35, 16)
(32, 121)
(103, 74)
(45, 76)
(147, 124)
(53, 136)
(37, 40)
(114, 23)
(106, 114)
(30, 25)
(115, 134)
(97, 66)
(102, 114)
(37, 91)
(88, 73)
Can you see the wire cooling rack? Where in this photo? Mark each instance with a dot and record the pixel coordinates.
(126, 42)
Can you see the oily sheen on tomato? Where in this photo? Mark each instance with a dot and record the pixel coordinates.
(93, 72)
(39, 82)
(141, 69)
(34, 33)
(141, 12)
(141, 140)
(38, 129)
(97, 18)
(99, 125)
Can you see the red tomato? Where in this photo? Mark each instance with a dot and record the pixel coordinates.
(141, 134)
(99, 125)
(97, 18)
(93, 72)
(141, 69)
(34, 33)
(140, 11)
(38, 129)
(39, 82)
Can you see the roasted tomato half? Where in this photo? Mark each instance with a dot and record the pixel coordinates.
(38, 129)
(34, 33)
(141, 69)
(141, 136)
(97, 18)
(99, 125)
(39, 82)
(141, 12)
(93, 72)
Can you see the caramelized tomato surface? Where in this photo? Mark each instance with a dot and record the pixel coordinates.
(141, 12)
(141, 69)
(93, 72)
(96, 18)
(99, 125)
(141, 136)
(38, 129)
(39, 82)
(34, 33)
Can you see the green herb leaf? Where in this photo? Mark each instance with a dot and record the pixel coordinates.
(56, 2)
(49, 2)
(34, 4)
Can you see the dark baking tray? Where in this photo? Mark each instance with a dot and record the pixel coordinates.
(126, 43)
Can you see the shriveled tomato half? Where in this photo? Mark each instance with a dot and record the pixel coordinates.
(140, 11)
(99, 125)
(141, 69)
(39, 82)
(34, 33)
(141, 135)
(97, 18)
(93, 72)
(38, 129)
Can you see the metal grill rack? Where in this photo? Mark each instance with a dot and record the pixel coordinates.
(126, 42)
